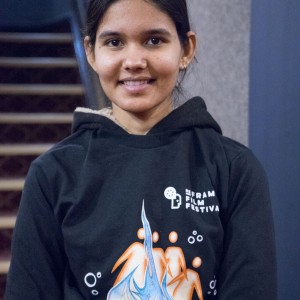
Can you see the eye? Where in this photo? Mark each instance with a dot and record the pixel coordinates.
(154, 41)
(114, 43)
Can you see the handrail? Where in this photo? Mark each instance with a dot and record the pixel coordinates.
(94, 95)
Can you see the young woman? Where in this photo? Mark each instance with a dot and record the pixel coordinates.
(143, 201)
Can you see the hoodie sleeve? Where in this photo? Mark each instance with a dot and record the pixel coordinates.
(37, 265)
(248, 267)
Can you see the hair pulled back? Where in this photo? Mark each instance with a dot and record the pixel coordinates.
(175, 9)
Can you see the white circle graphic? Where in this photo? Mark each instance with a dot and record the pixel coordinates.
(191, 240)
(199, 238)
(90, 280)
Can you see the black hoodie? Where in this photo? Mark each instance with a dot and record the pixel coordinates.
(179, 213)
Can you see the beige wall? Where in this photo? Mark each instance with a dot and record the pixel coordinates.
(221, 75)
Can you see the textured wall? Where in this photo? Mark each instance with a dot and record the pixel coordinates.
(221, 75)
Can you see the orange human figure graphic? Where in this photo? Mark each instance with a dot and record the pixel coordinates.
(175, 260)
(175, 257)
(135, 258)
(185, 284)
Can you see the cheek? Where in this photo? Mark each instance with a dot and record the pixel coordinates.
(168, 66)
(106, 67)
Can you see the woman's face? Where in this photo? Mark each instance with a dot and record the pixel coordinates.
(137, 56)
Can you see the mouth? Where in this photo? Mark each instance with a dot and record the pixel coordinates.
(136, 83)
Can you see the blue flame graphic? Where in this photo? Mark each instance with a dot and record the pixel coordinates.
(152, 289)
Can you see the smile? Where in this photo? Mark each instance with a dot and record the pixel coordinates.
(136, 82)
(136, 85)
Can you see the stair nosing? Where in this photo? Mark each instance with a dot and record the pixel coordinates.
(38, 62)
(32, 37)
(23, 149)
(4, 266)
(7, 221)
(32, 118)
(41, 89)
(11, 184)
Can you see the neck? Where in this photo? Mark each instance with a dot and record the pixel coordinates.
(140, 123)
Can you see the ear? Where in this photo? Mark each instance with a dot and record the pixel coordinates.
(189, 50)
(89, 52)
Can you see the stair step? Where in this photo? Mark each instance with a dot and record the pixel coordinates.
(10, 201)
(49, 38)
(23, 149)
(39, 104)
(10, 184)
(33, 133)
(7, 222)
(4, 266)
(37, 62)
(41, 89)
(32, 118)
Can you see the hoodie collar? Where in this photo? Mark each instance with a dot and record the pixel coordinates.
(192, 113)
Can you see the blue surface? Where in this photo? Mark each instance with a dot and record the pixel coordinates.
(275, 125)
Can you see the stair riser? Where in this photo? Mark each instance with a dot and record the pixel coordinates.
(2, 285)
(15, 166)
(49, 104)
(9, 201)
(33, 133)
(39, 76)
(36, 50)
(5, 240)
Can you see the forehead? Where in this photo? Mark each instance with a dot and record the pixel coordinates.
(134, 15)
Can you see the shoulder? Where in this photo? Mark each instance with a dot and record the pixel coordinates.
(62, 161)
(230, 164)
(221, 149)
(240, 156)
(69, 149)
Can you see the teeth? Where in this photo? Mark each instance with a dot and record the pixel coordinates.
(135, 83)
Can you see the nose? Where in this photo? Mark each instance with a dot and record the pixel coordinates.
(134, 58)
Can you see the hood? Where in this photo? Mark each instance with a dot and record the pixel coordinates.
(192, 113)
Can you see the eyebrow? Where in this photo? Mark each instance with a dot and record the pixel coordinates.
(162, 31)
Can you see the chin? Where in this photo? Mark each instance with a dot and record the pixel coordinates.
(136, 105)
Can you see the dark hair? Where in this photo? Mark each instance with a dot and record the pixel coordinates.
(175, 9)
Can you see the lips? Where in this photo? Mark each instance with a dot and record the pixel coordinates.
(136, 85)
(136, 82)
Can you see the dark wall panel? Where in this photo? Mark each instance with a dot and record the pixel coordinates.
(275, 125)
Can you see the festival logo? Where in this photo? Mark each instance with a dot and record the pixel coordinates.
(171, 194)
(202, 203)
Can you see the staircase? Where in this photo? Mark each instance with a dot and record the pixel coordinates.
(40, 87)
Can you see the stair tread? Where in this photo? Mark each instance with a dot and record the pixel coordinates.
(11, 184)
(38, 62)
(41, 89)
(33, 37)
(4, 264)
(40, 118)
(7, 221)
(23, 149)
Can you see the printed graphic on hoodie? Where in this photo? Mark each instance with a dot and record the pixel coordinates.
(152, 273)
(195, 201)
